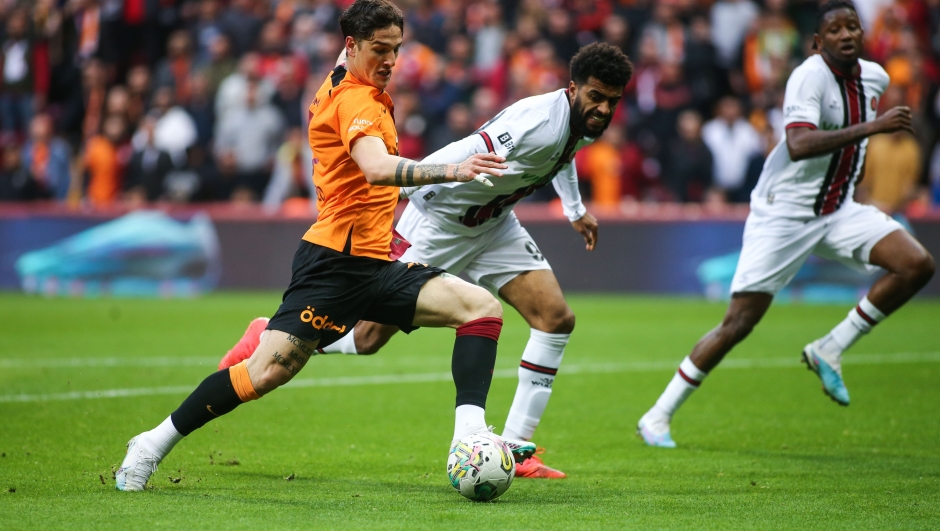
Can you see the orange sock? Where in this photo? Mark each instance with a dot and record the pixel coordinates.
(242, 383)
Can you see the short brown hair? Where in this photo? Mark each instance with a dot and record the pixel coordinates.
(362, 19)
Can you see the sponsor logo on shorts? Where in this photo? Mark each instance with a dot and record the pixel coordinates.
(319, 321)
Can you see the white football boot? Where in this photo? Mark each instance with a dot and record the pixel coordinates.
(138, 465)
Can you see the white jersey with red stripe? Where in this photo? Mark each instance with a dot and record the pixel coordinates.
(535, 137)
(819, 97)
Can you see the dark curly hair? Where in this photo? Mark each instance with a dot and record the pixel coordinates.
(604, 62)
(362, 19)
(832, 5)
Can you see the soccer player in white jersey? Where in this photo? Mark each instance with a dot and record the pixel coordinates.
(472, 229)
(803, 205)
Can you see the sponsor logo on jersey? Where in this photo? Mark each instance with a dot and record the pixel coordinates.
(506, 140)
(429, 195)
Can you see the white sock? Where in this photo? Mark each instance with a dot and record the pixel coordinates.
(468, 420)
(345, 344)
(540, 361)
(859, 322)
(686, 380)
(162, 439)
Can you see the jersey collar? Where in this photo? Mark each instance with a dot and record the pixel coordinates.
(840, 73)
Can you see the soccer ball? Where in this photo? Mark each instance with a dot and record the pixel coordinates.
(481, 466)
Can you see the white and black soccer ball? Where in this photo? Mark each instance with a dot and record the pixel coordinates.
(481, 466)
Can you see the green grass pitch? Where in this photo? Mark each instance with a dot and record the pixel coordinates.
(361, 442)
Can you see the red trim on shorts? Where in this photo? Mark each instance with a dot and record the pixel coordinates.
(689, 379)
(538, 368)
(865, 316)
(489, 142)
(488, 327)
(801, 124)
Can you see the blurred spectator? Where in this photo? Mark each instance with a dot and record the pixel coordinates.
(768, 49)
(220, 63)
(484, 23)
(233, 90)
(175, 70)
(732, 141)
(138, 93)
(892, 164)
(104, 161)
(288, 94)
(207, 29)
(668, 33)
(147, 168)
(17, 183)
(560, 32)
(47, 157)
(274, 51)
(201, 108)
(291, 176)
(18, 84)
(688, 163)
(250, 136)
(459, 124)
(730, 21)
(411, 124)
(427, 24)
(701, 65)
(175, 131)
(241, 25)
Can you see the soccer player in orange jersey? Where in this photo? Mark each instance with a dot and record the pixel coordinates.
(345, 269)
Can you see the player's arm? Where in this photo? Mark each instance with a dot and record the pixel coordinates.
(566, 186)
(807, 142)
(382, 169)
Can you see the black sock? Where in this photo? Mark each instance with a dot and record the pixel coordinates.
(214, 397)
(472, 367)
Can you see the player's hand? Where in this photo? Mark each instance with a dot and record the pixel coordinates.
(587, 226)
(478, 166)
(897, 119)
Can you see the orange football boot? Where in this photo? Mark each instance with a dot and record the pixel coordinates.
(246, 345)
(533, 467)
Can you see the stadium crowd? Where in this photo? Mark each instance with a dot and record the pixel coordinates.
(130, 102)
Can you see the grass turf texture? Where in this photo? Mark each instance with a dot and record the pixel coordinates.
(760, 447)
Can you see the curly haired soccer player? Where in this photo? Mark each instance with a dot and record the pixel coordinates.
(803, 205)
(345, 269)
(472, 229)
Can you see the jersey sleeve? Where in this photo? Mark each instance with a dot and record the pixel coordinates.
(802, 100)
(566, 185)
(515, 133)
(358, 115)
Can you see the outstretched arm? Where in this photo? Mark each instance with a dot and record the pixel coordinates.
(806, 142)
(382, 169)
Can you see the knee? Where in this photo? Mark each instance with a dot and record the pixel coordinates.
(922, 269)
(559, 322)
(483, 304)
(369, 344)
(272, 377)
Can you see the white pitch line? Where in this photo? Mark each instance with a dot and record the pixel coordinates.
(585, 368)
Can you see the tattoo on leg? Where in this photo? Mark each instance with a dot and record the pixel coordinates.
(401, 166)
(288, 366)
(301, 344)
(297, 357)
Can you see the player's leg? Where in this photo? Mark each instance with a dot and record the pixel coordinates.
(537, 296)
(277, 359)
(744, 312)
(865, 236)
(447, 301)
(774, 249)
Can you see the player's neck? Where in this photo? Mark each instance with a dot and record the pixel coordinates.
(848, 69)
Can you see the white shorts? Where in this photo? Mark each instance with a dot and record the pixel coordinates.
(776, 247)
(491, 259)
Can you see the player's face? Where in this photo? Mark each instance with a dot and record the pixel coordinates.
(592, 106)
(372, 60)
(840, 36)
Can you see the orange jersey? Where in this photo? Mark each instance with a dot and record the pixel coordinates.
(353, 214)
